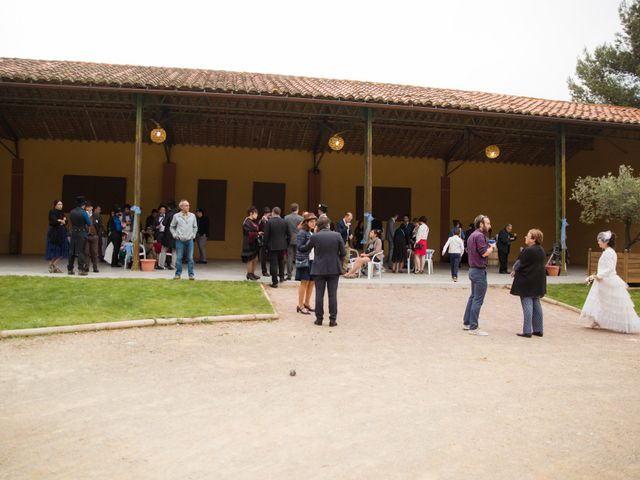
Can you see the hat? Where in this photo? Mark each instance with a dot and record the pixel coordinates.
(309, 216)
(323, 207)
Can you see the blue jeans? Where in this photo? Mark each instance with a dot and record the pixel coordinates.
(180, 246)
(478, 277)
(454, 258)
(532, 311)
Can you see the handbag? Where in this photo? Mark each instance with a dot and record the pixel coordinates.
(304, 263)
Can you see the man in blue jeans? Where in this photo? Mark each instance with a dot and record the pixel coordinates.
(184, 228)
(478, 252)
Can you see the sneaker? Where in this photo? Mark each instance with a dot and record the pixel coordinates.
(478, 332)
(177, 277)
(466, 327)
(191, 277)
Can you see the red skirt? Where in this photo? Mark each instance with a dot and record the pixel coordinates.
(420, 248)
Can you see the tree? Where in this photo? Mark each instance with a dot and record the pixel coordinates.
(611, 74)
(610, 198)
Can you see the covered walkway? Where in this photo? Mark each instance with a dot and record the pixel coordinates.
(235, 271)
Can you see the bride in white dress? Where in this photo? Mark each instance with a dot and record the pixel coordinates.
(608, 304)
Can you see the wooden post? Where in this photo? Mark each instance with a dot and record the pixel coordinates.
(560, 190)
(368, 162)
(17, 203)
(314, 185)
(137, 184)
(445, 208)
(168, 181)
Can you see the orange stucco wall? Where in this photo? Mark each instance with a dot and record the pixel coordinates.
(521, 195)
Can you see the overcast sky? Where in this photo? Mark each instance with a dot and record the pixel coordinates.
(505, 46)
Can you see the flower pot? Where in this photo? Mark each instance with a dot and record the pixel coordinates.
(147, 264)
(553, 270)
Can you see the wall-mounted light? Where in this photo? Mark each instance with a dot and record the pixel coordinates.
(336, 142)
(492, 151)
(158, 134)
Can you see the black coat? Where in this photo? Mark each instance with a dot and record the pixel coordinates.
(531, 275)
(167, 238)
(329, 252)
(276, 234)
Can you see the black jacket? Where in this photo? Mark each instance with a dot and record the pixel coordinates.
(504, 240)
(343, 230)
(203, 226)
(328, 251)
(531, 275)
(276, 234)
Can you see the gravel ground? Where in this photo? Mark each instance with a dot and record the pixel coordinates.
(396, 391)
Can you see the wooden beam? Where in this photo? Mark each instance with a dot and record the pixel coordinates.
(137, 184)
(368, 162)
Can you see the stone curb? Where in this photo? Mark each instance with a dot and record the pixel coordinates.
(556, 302)
(560, 304)
(150, 322)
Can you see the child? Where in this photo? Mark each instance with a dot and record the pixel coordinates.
(455, 246)
(126, 251)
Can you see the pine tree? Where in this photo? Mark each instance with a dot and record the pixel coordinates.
(611, 74)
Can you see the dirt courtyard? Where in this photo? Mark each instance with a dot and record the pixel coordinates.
(396, 391)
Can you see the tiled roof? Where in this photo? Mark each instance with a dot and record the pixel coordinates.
(118, 76)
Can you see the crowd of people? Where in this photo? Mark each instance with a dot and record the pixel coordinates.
(167, 235)
(321, 252)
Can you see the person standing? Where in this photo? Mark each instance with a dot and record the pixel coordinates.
(203, 235)
(389, 234)
(80, 222)
(505, 237)
(91, 246)
(530, 283)
(114, 229)
(250, 235)
(343, 227)
(264, 250)
(608, 304)
(420, 246)
(96, 220)
(184, 228)
(400, 246)
(304, 261)
(479, 252)
(57, 246)
(293, 220)
(127, 222)
(276, 238)
(455, 247)
(329, 253)
(168, 242)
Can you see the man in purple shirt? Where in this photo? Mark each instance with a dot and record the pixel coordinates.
(478, 252)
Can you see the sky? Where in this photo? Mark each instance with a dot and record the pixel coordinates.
(514, 47)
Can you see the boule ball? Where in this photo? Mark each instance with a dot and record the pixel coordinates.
(292, 373)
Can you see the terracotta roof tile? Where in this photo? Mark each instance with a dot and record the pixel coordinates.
(110, 75)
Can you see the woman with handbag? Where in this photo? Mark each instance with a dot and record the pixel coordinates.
(57, 243)
(250, 242)
(303, 264)
(530, 283)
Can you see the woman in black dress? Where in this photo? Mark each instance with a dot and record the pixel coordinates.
(400, 245)
(250, 241)
(303, 264)
(57, 242)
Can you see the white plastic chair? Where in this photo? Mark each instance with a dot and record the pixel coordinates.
(429, 260)
(353, 255)
(409, 254)
(376, 264)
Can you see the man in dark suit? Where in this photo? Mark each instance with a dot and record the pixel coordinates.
(329, 253)
(276, 238)
(505, 237)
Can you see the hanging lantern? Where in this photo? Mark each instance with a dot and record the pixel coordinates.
(336, 142)
(492, 151)
(158, 135)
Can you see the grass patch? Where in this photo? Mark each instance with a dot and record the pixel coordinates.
(575, 294)
(27, 302)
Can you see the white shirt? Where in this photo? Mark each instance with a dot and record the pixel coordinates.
(422, 233)
(454, 244)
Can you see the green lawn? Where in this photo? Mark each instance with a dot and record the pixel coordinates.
(27, 302)
(575, 294)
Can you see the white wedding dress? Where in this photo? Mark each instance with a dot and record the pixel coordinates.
(608, 303)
